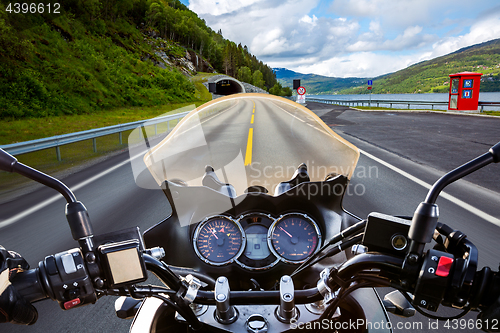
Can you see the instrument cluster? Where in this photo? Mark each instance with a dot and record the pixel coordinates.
(256, 241)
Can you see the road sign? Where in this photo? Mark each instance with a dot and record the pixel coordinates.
(370, 82)
(369, 87)
(301, 90)
(296, 84)
(301, 99)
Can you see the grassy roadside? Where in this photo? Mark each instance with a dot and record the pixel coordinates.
(375, 108)
(20, 130)
(201, 91)
(36, 128)
(80, 154)
(488, 113)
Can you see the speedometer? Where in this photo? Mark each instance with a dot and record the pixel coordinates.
(294, 237)
(218, 240)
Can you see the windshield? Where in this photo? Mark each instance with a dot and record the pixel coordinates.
(250, 140)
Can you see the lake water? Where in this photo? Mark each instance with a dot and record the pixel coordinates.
(483, 97)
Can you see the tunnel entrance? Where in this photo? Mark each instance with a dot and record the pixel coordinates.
(228, 87)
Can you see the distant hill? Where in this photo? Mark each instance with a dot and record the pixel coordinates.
(429, 76)
(317, 84)
(432, 76)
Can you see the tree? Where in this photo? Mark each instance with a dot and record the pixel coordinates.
(245, 74)
(276, 89)
(287, 91)
(258, 79)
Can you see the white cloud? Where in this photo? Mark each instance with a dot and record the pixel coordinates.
(400, 13)
(309, 20)
(270, 42)
(360, 64)
(362, 38)
(482, 31)
(219, 7)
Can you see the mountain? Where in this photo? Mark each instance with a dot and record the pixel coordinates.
(317, 84)
(431, 76)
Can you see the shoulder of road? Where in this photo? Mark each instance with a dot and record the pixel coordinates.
(439, 140)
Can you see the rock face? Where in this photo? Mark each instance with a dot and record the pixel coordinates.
(200, 64)
(253, 89)
(189, 64)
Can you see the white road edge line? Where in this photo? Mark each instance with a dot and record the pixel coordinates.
(56, 197)
(31, 210)
(443, 194)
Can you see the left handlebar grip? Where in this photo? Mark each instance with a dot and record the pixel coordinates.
(29, 285)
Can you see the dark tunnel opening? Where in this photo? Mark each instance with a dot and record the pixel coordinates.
(227, 87)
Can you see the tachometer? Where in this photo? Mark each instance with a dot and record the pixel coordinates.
(294, 237)
(218, 240)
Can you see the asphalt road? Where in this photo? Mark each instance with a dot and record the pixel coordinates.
(426, 153)
(115, 202)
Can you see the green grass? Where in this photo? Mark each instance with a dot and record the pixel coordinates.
(79, 153)
(374, 108)
(386, 108)
(201, 91)
(62, 68)
(35, 128)
(491, 113)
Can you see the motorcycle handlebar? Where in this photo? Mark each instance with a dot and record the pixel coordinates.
(483, 294)
(29, 285)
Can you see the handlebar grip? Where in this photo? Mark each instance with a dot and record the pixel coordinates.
(28, 284)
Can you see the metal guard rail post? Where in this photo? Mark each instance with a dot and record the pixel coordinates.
(59, 140)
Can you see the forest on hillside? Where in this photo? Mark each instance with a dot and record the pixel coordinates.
(93, 55)
(176, 22)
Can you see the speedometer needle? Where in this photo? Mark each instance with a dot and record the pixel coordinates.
(286, 232)
(213, 233)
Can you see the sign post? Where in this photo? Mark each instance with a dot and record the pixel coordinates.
(301, 95)
(370, 83)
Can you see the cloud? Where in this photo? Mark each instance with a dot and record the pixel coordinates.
(219, 7)
(309, 20)
(356, 38)
(484, 30)
(360, 64)
(400, 13)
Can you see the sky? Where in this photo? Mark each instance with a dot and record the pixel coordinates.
(351, 38)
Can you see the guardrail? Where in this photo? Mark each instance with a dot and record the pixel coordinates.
(362, 102)
(59, 140)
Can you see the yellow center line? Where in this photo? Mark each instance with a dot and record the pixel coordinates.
(248, 156)
(251, 121)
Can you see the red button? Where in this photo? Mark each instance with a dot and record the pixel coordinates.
(71, 304)
(444, 266)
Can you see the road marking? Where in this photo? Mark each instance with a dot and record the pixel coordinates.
(248, 155)
(251, 121)
(43, 204)
(56, 197)
(443, 194)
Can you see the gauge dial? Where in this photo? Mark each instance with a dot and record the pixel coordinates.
(218, 240)
(256, 247)
(294, 237)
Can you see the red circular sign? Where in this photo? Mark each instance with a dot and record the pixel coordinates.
(301, 90)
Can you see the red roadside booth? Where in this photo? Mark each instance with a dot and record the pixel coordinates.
(464, 91)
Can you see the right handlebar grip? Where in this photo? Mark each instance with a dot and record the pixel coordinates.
(28, 284)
